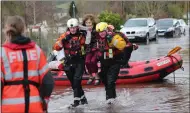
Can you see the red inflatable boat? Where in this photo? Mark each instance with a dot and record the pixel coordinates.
(140, 71)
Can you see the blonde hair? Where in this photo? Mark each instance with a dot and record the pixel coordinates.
(15, 26)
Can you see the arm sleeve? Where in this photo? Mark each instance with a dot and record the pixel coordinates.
(58, 44)
(47, 81)
(47, 85)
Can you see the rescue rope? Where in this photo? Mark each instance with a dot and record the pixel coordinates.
(178, 63)
(174, 50)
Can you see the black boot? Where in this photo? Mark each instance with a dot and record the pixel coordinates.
(83, 100)
(75, 103)
(110, 96)
(110, 101)
(77, 93)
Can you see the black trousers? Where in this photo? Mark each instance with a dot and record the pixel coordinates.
(127, 55)
(109, 75)
(74, 74)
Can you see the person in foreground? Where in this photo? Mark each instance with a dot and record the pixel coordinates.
(73, 42)
(26, 82)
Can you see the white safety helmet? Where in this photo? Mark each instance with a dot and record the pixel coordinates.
(73, 22)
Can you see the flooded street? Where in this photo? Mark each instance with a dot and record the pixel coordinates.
(164, 96)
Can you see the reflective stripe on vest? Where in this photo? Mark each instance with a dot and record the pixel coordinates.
(20, 74)
(14, 101)
(44, 69)
(30, 73)
(6, 65)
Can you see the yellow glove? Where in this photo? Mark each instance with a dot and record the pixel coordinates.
(118, 42)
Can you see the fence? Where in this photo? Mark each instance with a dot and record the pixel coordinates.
(45, 38)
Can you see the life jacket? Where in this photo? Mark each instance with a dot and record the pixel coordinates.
(108, 51)
(73, 44)
(22, 70)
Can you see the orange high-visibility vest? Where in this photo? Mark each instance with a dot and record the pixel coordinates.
(13, 77)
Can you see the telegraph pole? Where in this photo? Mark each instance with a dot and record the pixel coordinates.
(74, 15)
(188, 11)
(25, 16)
(34, 11)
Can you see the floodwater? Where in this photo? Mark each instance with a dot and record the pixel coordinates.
(169, 95)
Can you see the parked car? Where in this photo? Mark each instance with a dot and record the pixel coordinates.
(168, 27)
(183, 26)
(141, 29)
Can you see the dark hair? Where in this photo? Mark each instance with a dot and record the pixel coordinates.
(91, 17)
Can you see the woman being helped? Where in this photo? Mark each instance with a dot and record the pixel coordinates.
(91, 59)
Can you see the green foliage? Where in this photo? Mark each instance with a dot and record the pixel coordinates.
(111, 18)
(174, 11)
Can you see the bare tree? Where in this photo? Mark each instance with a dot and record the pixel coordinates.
(80, 7)
(149, 8)
(10, 8)
(94, 7)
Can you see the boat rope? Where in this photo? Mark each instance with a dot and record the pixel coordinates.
(178, 63)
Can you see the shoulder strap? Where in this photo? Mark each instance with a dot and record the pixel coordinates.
(81, 35)
(26, 83)
(121, 34)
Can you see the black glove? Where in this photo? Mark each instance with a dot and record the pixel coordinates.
(67, 38)
(67, 60)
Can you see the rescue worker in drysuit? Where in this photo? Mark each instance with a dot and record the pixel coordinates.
(25, 77)
(73, 42)
(111, 53)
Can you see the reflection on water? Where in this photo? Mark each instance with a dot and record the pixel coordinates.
(163, 96)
